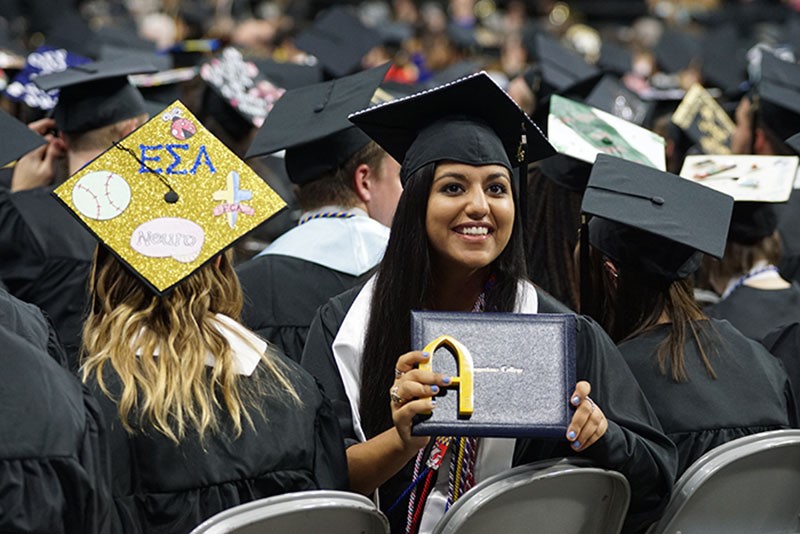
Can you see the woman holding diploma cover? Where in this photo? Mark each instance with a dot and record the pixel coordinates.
(458, 144)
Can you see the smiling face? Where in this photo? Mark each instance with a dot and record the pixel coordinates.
(470, 215)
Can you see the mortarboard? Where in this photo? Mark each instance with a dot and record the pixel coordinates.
(615, 58)
(652, 220)
(570, 173)
(706, 123)
(289, 75)
(471, 120)
(311, 124)
(241, 85)
(756, 183)
(724, 60)
(561, 69)
(44, 60)
(794, 142)
(676, 50)
(779, 95)
(339, 41)
(18, 139)
(611, 96)
(96, 94)
(582, 132)
(168, 198)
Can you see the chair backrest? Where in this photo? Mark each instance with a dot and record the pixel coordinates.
(553, 496)
(748, 485)
(331, 512)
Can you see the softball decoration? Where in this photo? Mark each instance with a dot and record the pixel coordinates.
(101, 195)
(168, 198)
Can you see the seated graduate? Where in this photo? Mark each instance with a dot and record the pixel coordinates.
(456, 245)
(203, 415)
(53, 454)
(707, 383)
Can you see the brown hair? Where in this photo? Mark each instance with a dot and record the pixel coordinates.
(336, 187)
(740, 258)
(101, 138)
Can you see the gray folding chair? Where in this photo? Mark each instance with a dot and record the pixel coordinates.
(750, 485)
(549, 497)
(334, 512)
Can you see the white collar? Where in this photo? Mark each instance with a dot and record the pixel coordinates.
(349, 245)
(247, 348)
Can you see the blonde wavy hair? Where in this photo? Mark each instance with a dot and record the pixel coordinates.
(173, 391)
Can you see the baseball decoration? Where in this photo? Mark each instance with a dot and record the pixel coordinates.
(101, 195)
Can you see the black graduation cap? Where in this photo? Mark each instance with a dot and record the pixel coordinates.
(311, 124)
(794, 142)
(455, 72)
(471, 120)
(615, 58)
(676, 50)
(724, 60)
(289, 75)
(652, 220)
(752, 221)
(18, 139)
(568, 172)
(339, 40)
(612, 97)
(561, 68)
(96, 94)
(779, 95)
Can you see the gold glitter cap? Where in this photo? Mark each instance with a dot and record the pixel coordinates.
(168, 198)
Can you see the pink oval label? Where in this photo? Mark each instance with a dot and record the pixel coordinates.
(169, 237)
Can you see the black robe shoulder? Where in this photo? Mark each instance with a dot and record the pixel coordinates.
(46, 255)
(28, 322)
(750, 394)
(757, 312)
(161, 487)
(633, 445)
(282, 294)
(54, 468)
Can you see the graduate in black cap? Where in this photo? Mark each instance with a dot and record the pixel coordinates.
(47, 255)
(456, 245)
(347, 188)
(203, 414)
(701, 375)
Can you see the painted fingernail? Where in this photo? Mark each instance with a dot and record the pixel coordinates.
(426, 354)
(576, 444)
(446, 380)
(576, 400)
(435, 389)
(571, 434)
(433, 401)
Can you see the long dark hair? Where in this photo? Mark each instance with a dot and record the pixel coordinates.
(405, 282)
(637, 304)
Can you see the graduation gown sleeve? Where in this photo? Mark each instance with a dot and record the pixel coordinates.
(634, 443)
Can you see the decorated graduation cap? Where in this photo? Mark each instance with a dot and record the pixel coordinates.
(757, 184)
(311, 124)
(168, 198)
(44, 60)
(652, 220)
(583, 132)
(96, 94)
(18, 139)
(611, 96)
(704, 121)
(240, 83)
(779, 95)
(471, 120)
(561, 68)
(339, 41)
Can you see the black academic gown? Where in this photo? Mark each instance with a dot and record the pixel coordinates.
(28, 322)
(789, 230)
(756, 312)
(282, 294)
(45, 258)
(633, 445)
(751, 393)
(54, 469)
(784, 344)
(160, 487)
